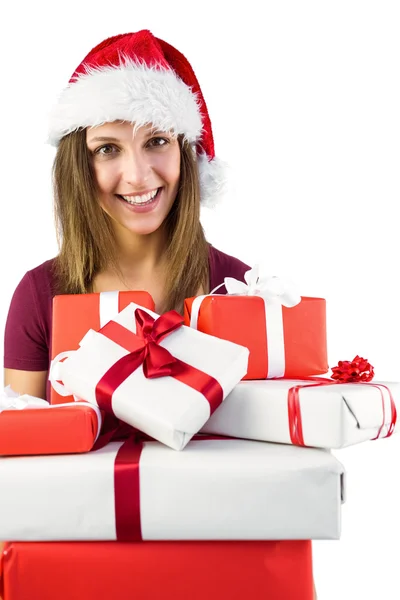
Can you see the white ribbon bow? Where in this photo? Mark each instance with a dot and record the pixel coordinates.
(10, 400)
(271, 289)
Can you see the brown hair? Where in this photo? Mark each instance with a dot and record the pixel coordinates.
(85, 234)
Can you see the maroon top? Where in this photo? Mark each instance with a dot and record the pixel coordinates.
(28, 327)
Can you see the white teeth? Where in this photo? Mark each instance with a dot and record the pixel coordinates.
(140, 199)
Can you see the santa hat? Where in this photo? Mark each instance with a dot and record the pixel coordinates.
(138, 78)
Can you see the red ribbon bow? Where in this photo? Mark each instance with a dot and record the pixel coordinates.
(157, 361)
(359, 369)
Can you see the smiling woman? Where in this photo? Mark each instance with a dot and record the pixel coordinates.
(135, 161)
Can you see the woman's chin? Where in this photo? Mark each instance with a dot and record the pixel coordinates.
(143, 228)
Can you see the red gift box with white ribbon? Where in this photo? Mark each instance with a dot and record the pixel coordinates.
(30, 425)
(74, 314)
(285, 333)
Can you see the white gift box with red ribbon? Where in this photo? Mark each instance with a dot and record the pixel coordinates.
(217, 489)
(168, 407)
(332, 415)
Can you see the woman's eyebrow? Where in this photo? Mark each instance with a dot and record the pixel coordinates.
(157, 132)
(103, 139)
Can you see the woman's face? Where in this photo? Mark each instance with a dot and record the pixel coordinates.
(137, 174)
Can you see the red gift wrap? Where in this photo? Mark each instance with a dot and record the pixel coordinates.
(152, 570)
(244, 320)
(52, 430)
(75, 314)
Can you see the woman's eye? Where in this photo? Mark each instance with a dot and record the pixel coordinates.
(157, 142)
(105, 150)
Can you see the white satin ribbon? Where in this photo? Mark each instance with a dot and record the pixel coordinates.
(108, 306)
(10, 400)
(55, 374)
(194, 315)
(275, 292)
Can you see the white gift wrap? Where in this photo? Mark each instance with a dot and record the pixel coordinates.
(333, 416)
(165, 409)
(214, 490)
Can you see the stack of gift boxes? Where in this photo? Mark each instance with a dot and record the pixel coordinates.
(180, 456)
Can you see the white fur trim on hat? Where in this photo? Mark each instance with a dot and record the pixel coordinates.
(131, 92)
(212, 175)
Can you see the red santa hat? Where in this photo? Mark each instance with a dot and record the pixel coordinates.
(141, 79)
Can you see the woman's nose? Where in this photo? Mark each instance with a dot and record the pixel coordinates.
(137, 169)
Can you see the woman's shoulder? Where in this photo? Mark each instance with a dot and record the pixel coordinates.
(224, 265)
(37, 282)
(41, 279)
(43, 272)
(28, 325)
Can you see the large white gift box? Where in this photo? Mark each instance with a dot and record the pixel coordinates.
(326, 416)
(217, 489)
(167, 408)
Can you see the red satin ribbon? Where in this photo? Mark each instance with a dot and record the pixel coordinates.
(294, 410)
(157, 362)
(127, 491)
(113, 430)
(127, 486)
(144, 349)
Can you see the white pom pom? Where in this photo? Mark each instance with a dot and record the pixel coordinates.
(213, 182)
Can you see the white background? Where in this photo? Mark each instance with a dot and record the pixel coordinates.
(304, 99)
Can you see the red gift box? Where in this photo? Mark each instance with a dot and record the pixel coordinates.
(75, 314)
(51, 430)
(153, 570)
(247, 320)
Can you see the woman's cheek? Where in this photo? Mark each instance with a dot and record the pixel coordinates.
(106, 177)
(168, 167)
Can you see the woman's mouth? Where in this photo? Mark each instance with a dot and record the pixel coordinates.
(141, 204)
(143, 200)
